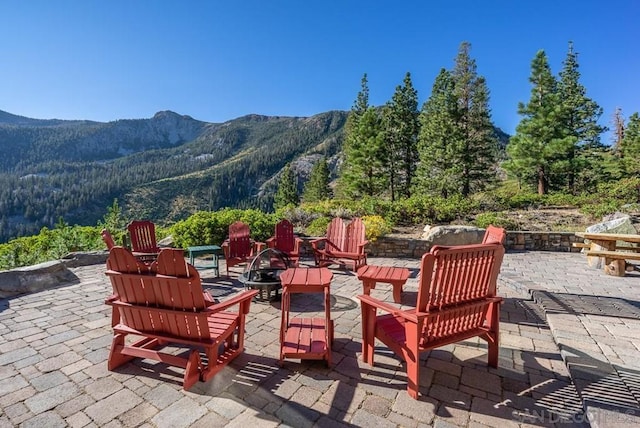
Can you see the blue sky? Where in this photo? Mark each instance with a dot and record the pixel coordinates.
(219, 60)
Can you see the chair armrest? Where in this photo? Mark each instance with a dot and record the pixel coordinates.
(409, 315)
(361, 246)
(258, 246)
(297, 242)
(239, 299)
(378, 304)
(316, 242)
(209, 299)
(225, 248)
(271, 242)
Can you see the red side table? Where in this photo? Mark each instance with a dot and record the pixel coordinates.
(395, 276)
(306, 338)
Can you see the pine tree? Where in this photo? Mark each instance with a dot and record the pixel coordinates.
(479, 150)
(317, 187)
(287, 193)
(439, 140)
(401, 127)
(580, 122)
(538, 142)
(630, 146)
(363, 176)
(361, 166)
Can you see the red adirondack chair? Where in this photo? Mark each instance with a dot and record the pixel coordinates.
(494, 234)
(286, 241)
(164, 309)
(239, 248)
(108, 239)
(122, 260)
(456, 300)
(143, 237)
(342, 244)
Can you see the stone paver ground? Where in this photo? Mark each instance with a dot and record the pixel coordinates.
(569, 356)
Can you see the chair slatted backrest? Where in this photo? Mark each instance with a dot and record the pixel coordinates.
(108, 239)
(239, 239)
(143, 236)
(284, 236)
(122, 260)
(336, 233)
(355, 236)
(161, 304)
(173, 270)
(494, 234)
(456, 275)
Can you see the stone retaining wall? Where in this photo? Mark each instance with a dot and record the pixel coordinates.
(393, 246)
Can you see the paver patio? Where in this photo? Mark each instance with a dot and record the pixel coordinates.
(569, 355)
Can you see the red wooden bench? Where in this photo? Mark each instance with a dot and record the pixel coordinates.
(169, 307)
(456, 300)
(343, 244)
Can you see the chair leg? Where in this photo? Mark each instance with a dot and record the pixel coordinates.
(493, 335)
(192, 371)
(412, 358)
(368, 333)
(116, 357)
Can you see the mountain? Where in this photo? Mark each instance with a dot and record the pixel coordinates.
(163, 168)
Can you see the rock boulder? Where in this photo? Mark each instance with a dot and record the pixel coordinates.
(34, 278)
(452, 235)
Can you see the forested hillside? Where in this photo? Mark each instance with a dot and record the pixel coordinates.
(162, 168)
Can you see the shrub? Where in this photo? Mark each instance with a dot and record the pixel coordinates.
(318, 227)
(375, 227)
(212, 228)
(495, 218)
(49, 244)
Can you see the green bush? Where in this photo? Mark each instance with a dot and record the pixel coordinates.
(318, 227)
(375, 227)
(483, 220)
(626, 191)
(431, 209)
(212, 228)
(49, 244)
(597, 211)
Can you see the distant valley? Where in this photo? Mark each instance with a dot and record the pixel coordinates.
(163, 168)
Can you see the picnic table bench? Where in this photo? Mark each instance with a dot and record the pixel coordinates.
(614, 248)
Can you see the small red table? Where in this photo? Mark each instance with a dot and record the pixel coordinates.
(306, 338)
(395, 276)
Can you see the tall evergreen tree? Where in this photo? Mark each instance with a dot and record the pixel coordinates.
(317, 187)
(538, 141)
(363, 174)
(480, 145)
(400, 123)
(355, 142)
(287, 192)
(440, 139)
(630, 146)
(580, 122)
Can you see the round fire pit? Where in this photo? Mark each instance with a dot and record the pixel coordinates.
(263, 273)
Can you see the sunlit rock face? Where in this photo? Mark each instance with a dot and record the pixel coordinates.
(452, 235)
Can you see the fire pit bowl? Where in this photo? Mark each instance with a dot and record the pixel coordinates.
(263, 273)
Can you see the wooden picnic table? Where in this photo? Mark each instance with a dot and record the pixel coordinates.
(614, 248)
